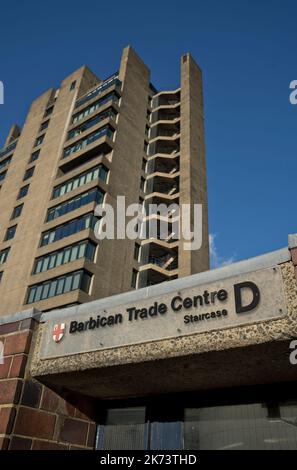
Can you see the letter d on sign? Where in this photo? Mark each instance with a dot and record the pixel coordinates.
(239, 307)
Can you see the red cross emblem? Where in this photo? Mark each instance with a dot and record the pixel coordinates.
(59, 331)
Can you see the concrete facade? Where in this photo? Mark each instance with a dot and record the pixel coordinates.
(55, 403)
(144, 126)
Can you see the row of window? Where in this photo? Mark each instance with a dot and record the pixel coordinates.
(99, 171)
(66, 230)
(91, 122)
(8, 149)
(85, 249)
(5, 163)
(59, 285)
(98, 104)
(94, 195)
(98, 90)
(106, 130)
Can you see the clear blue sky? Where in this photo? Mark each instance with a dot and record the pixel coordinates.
(248, 52)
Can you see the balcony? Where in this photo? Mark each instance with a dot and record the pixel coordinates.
(9, 149)
(83, 143)
(113, 80)
(109, 113)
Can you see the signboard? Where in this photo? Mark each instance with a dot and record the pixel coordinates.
(239, 300)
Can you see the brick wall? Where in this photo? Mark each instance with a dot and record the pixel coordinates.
(31, 415)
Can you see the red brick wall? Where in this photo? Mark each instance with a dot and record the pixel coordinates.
(31, 415)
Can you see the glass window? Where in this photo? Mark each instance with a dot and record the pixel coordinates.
(23, 191)
(76, 280)
(75, 203)
(17, 211)
(45, 291)
(53, 288)
(68, 283)
(38, 267)
(4, 255)
(10, 233)
(34, 156)
(44, 125)
(39, 140)
(136, 251)
(52, 261)
(60, 286)
(68, 229)
(49, 111)
(67, 255)
(74, 253)
(29, 173)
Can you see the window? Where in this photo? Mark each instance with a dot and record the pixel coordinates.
(94, 173)
(81, 144)
(10, 232)
(66, 230)
(17, 211)
(44, 125)
(94, 195)
(34, 156)
(72, 86)
(1, 275)
(85, 249)
(39, 140)
(134, 278)
(98, 104)
(29, 173)
(144, 164)
(61, 285)
(2, 176)
(91, 122)
(23, 191)
(136, 251)
(5, 163)
(4, 255)
(48, 111)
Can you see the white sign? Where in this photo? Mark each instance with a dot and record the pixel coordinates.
(243, 299)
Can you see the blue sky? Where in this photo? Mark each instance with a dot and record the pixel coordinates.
(247, 50)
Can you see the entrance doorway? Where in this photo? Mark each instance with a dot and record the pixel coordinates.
(219, 420)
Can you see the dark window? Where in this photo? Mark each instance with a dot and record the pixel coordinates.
(73, 226)
(61, 285)
(17, 211)
(39, 140)
(134, 278)
(44, 125)
(2, 175)
(48, 111)
(23, 191)
(72, 86)
(136, 251)
(94, 195)
(29, 173)
(65, 255)
(98, 172)
(10, 232)
(144, 164)
(4, 255)
(34, 156)
(1, 275)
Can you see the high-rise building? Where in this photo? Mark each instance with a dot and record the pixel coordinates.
(88, 142)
